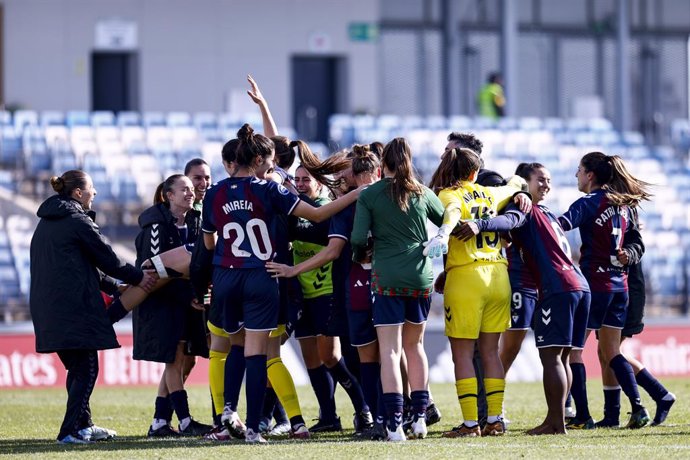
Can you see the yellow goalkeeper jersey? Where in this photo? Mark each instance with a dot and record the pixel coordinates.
(476, 202)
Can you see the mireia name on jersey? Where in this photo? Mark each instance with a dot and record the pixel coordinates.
(244, 211)
(239, 205)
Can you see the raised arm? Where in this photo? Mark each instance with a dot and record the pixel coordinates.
(324, 212)
(270, 128)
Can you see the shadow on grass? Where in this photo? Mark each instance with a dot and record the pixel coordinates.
(126, 443)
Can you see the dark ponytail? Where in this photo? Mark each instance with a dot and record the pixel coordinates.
(397, 157)
(161, 194)
(252, 146)
(610, 172)
(364, 160)
(456, 166)
(322, 171)
(69, 182)
(285, 154)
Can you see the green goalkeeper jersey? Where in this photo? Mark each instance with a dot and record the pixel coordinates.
(317, 282)
(398, 266)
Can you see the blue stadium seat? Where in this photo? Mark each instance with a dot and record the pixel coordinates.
(23, 118)
(153, 119)
(102, 118)
(175, 119)
(11, 147)
(52, 118)
(205, 120)
(78, 118)
(128, 119)
(5, 118)
(459, 123)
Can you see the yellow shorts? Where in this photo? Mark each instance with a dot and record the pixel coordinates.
(215, 330)
(477, 299)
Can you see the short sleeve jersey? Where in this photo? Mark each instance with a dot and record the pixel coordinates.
(602, 228)
(243, 211)
(546, 252)
(476, 202)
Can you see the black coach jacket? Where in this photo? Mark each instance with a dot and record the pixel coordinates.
(68, 258)
(166, 317)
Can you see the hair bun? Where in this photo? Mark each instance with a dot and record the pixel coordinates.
(360, 151)
(58, 183)
(245, 132)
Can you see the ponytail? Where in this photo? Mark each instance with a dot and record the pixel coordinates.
(252, 146)
(456, 166)
(397, 157)
(364, 160)
(610, 172)
(322, 171)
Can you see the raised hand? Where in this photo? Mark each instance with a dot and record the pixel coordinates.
(255, 92)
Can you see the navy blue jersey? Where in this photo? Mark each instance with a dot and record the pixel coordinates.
(244, 210)
(546, 252)
(602, 227)
(341, 227)
(521, 278)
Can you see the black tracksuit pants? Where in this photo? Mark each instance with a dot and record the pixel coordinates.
(82, 372)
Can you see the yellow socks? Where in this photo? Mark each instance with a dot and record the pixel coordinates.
(495, 389)
(216, 378)
(467, 396)
(284, 386)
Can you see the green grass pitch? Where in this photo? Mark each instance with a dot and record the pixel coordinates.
(29, 420)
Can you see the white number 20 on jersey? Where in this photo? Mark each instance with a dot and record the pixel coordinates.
(256, 228)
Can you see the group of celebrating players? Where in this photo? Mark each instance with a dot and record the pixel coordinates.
(279, 255)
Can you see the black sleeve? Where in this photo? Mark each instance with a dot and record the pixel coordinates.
(633, 244)
(309, 232)
(102, 255)
(201, 268)
(108, 284)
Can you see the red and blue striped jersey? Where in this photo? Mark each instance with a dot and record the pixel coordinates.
(602, 228)
(545, 250)
(244, 211)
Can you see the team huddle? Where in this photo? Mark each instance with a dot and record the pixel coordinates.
(341, 250)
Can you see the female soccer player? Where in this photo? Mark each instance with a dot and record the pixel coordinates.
(603, 219)
(630, 255)
(561, 314)
(395, 210)
(522, 283)
(164, 323)
(477, 289)
(242, 209)
(328, 316)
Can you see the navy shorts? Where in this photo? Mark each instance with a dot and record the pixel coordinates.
(316, 313)
(394, 310)
(608, 309)
(249, 298)
(522, 305)
(560, 320)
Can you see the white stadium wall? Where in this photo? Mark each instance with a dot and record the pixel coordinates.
(192, 54)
